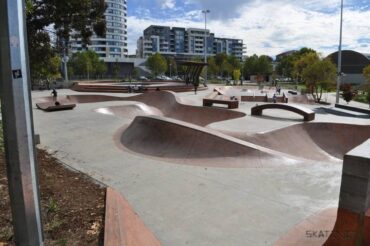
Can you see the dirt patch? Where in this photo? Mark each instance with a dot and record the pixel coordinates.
(73, 206)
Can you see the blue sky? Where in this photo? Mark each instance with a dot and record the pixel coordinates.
(267, 27)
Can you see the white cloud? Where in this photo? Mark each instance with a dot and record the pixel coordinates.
(166, 4)
(276, 26)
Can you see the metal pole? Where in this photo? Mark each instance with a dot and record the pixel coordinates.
(205, 43)
(65, 61)
(20, 154)
(340, 54)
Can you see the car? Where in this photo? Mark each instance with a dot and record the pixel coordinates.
(143, 78)
(177, 78)
(163, 77)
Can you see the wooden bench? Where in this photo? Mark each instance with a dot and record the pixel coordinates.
(214, 97)
(122, 225)
(307, 113)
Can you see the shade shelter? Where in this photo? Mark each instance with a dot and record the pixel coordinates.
(192, 72)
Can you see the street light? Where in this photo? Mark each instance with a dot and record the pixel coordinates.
(340, 54)
(205, 12)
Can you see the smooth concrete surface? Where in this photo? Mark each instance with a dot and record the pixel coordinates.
(355, 187)
(196, 205)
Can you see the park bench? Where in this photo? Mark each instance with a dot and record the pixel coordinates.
(307, 113)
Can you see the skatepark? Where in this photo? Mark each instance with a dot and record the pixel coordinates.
(207, 175)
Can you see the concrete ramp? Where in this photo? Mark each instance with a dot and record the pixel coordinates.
(183, 143)
(130, 111)
(162, 103)
(315, 141)
(165, 103)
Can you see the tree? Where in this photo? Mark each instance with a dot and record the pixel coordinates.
(213, 69)
(300, 64)
(157, 64)
(221, 62)
(44, 63)
(257, 65)
(171, 66)
(83, 17)
(236, 74)
(87, 64)
(347, 92)
(100, 68)
(263, 67)
(249, 66)
(135, 73)
(234, 62)
(319, 76)
(286, 65)
(116, 69)
(366, 73)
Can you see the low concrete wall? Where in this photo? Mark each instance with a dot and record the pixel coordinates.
(355, 187)
(355, 109)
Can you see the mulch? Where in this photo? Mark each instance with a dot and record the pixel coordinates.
(72, 205)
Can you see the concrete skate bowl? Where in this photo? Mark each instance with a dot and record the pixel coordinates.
(165, 103)
(179, 142)
(313, 141)
(130, 111)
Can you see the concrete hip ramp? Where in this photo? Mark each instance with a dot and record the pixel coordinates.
(165, 103)
(314, 141)
(183, 143)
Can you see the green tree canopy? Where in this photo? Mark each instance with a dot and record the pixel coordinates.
(236, 74)
(319, 76)
(366, 74)
(285, 66)
(157, 64)
(257, 65)
(87, 64)
(213, 69)
(84, 17)
(304, 60)
(81, 18)
(171, 66)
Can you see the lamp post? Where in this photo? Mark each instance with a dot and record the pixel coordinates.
(340, 54)
(205, 12)
(170, 69)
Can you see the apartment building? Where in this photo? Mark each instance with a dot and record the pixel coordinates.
(185, 43)
(114, 45)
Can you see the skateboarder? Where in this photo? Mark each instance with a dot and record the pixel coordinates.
(54, 93)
